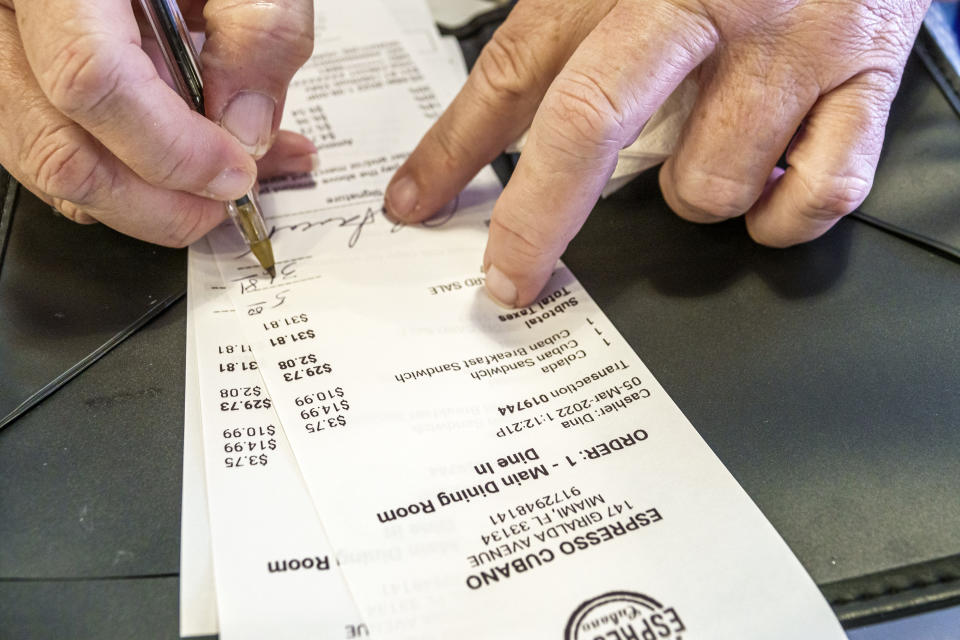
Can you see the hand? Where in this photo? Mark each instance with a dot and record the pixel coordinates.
(585, 75)
(87, 123)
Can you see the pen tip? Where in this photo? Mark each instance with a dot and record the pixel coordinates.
(263, 251)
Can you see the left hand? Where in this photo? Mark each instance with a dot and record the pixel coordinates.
(816, 76)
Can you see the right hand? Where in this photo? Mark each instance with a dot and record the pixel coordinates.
(89, 126)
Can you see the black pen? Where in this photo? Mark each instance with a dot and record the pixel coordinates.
(182, 61)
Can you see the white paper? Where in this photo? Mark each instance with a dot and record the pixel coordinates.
(487, 473)
(281, 555)
(451, 47)
(416, 23)
(276, 574)
(198, 612)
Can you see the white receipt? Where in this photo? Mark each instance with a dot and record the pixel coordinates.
(198, 612)
(267, 538)
(281, 554)
(480, 472)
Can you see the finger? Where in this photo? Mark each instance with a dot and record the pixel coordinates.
(87, 59)
(72, 212)
(81, 180)
(590, 112)
(59, 161)
(495, 105)
(749, 107)
(252, 50)
(831, 164)
(291, 153)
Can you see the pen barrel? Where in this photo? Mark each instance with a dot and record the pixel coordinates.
(245, 213)
(176, 44)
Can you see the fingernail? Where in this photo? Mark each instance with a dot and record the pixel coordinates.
(249, 117)
(230, 184)
(401, 197)
(500, 288)
(314, 162)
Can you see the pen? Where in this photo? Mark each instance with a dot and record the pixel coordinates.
(181, 58)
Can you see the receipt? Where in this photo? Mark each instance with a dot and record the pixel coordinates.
(478, 472)
(198, 612)
(271, 558)
(483, 472)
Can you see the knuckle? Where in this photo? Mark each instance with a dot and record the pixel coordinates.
(832, 195)
(296, 34)
(295, 38)
(880, 88)
(82, 75)
(186, 227)
(709, 192)
(528, 244)
(582, 124)
(504, 69)
(590, 111)
(61, 165)
(288, 30)
(451, 145)
(694, 28)
(174, 162)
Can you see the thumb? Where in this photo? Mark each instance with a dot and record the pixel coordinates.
(252, 50)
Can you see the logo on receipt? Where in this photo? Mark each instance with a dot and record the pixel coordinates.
(623, 615)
